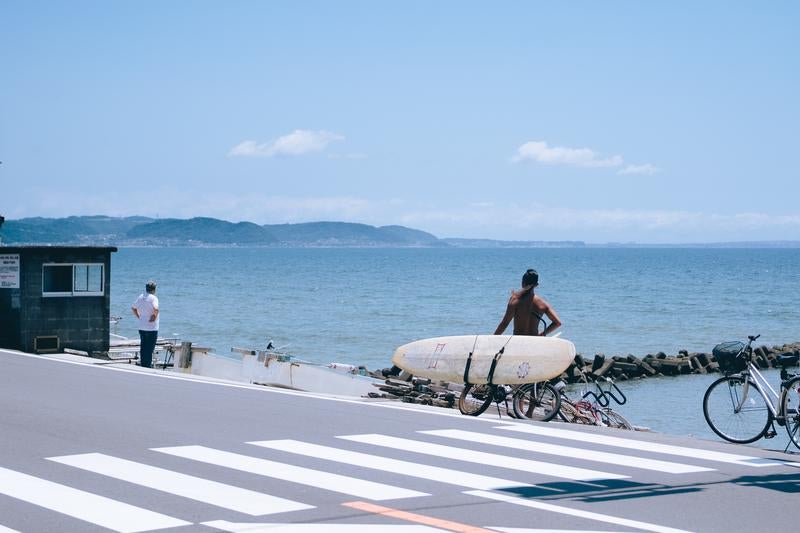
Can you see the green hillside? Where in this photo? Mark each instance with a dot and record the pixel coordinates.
(201, 230)
(349, 234)
(104, 230)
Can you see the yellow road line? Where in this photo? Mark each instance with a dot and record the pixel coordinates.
(417, 518)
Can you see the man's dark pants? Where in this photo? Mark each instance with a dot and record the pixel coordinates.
(147, 345)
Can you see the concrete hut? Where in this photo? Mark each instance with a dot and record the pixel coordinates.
(55, 297)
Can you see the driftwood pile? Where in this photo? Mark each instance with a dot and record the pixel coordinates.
(419, 390)
(621, 368)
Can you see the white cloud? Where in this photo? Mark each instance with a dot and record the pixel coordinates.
(647, 169)
(299, 142)
(540, 152)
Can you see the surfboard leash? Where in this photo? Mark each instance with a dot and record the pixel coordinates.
(469, 361)
(497, 356)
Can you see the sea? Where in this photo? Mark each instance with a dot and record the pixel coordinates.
(356, 305)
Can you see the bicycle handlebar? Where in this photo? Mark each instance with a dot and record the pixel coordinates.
(600, 399)
(604, 397)
(752, 338)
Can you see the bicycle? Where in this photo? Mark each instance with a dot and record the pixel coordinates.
(534, 401)
(597, 412)
(742, 407)
(537, 401)
(544, 401)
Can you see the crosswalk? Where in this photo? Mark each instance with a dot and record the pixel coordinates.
(105, 512)
(631, 444)
(666, 467)
(192, 487)
(524, 454)
(358, 488)
(399, 466)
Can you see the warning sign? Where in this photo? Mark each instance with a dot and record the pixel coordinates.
(9, 271)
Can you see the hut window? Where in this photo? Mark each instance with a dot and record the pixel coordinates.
(88, 279)
(78, 279)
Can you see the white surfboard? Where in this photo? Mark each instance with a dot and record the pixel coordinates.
(522, 359)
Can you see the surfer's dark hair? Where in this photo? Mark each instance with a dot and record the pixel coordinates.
(530, 277)
(150, 287)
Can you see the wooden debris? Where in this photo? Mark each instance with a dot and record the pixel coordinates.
(419, 390)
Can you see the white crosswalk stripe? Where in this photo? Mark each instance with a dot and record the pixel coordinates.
(566, 451)
(195, 488)
(472, 456)
(306, 476)
(82, 505)
(639, 445)
(397, 466)
(525, 502)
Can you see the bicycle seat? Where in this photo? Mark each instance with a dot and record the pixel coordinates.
(788, 359)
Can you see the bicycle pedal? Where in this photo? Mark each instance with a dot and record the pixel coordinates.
(770, 434)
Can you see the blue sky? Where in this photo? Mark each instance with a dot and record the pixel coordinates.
(596, 121)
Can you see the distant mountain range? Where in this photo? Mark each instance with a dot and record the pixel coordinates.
(202, 231)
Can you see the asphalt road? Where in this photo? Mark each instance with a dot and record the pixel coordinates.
(86, 447)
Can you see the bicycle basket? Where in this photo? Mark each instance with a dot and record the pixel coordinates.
(726, 356)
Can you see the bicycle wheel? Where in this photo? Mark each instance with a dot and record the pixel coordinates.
(475, 399)
(614, 420)
(536, 401)
(734, 416)
(790, 408)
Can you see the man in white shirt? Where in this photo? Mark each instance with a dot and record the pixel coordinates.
(145, 308)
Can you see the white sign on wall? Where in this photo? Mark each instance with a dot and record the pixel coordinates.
(9, 271)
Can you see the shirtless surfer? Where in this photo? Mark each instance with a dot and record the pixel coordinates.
(526, 309)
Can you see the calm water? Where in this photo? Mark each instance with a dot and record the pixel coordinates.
(357, 305)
